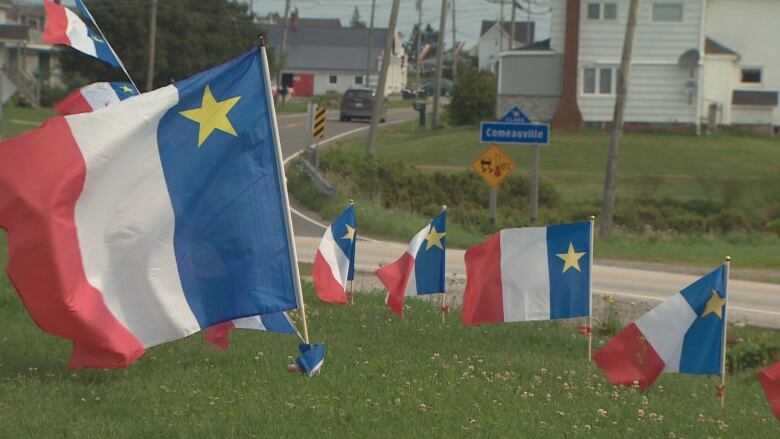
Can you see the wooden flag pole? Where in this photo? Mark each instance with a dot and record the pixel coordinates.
(444, 271)
(590, 292)
(351, 284)
(722, 390)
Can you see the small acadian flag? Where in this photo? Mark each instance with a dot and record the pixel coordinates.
(531, 273)
(683, 334)
(770, 381)
(335, 260)
(94, 97)
(420, 270)
(64, 27)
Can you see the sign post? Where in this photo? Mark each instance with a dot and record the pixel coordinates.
(494, 166)
(516, 128)
(318, 132)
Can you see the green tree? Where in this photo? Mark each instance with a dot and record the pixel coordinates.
(192, 36)
(355, 21)
(473, 97)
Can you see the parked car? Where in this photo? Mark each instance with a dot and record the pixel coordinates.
(445, 88)
(358, 103)
(409, 93)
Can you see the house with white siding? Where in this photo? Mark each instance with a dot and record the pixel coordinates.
(691, 65)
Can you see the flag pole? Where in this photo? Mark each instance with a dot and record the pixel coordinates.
(590, 292)
(444, 274)
(351, 284)
(725, 325)
(285, 198)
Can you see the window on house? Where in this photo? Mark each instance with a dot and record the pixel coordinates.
(751, 76)
(668, 12)
(359, 80)
(598, 80)
(333, 79)
(602, 10)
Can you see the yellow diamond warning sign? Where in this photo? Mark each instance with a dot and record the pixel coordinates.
(493, 165)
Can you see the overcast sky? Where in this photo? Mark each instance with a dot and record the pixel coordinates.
(469, 14)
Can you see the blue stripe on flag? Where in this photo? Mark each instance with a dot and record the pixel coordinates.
(123, 90)
(569, 283)
(703, 343)
(429, 262)
(102, 51)
(277, 322)
(341, 233)
(230, 235)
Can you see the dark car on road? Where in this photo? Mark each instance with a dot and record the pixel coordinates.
(358, 103)
(445, 87)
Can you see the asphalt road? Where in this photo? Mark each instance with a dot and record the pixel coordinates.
(750, 302)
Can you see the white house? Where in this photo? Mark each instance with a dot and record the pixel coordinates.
(693, 63)
(326, 57)
(494, 38)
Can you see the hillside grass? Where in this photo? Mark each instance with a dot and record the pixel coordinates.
(383, 377)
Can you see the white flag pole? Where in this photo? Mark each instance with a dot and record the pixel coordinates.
(722, 390)
(444, 274)
(283, 190)
(590, 292)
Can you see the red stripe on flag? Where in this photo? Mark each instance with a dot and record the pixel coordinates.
(41, 177)
(628, 357)
(328, 288)
(770, 381)
(56, 28)
(483, 298)
(74, 103)
(395, 277)
(219, 335)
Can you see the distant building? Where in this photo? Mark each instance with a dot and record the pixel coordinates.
(695, 62)
(324, 57)
(495, 38)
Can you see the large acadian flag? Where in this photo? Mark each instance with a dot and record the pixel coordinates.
(531, 273)
(335, 259)
(770, 381)
(64, 26)
(420, 270)
(683, 334)
(152, 219)
(94, 97)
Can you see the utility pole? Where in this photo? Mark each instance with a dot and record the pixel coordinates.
(152, 46)
(283, 48)
(608, 204)
(454, 47)
(527, 23)
(439, 62)
(251, 8)
(419, 39)
(379, 98)
(513, 27)
(370, 44)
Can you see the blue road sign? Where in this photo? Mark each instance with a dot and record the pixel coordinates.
(506, 132)
(515, 115)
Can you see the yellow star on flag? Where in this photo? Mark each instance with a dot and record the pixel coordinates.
(571, 259)
(212, 115)
(128, 89)
(434, 239)
(350, 233)
(714, 305)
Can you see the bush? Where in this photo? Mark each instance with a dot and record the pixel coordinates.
(51, 95)
(473, 98)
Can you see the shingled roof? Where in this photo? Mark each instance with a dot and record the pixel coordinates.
(521, 28)
(14, 32)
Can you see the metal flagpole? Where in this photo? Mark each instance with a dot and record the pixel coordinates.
(444, 273)
(121, 64)
(283, 190)
(722, 390)
(351, 282)
(590, 292)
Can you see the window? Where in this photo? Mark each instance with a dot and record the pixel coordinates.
(602, 10)
(751, 76)
(667, 12)
(333, 79)
(359, 80)
(598, 80)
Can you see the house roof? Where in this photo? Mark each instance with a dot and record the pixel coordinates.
(319, 22)
(520, 29)
(327, 48)
(712, 47)
(14, 32)
(538, 45)
(757, 98)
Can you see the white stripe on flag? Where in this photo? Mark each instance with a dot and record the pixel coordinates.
(412, 249)
(334, 256)
(124, 199)
(525, 279)
(251, 322)
(664, 327)
(78, 35)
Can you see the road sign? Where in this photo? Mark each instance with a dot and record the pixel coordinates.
(509, 132)
(515, 115)
(319, 123)
(493, 165)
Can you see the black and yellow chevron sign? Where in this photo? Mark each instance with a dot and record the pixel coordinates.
(319, 123)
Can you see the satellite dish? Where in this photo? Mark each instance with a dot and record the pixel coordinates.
(689, 59)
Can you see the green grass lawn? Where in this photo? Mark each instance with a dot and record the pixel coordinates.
(17, 120)
(383, 377)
